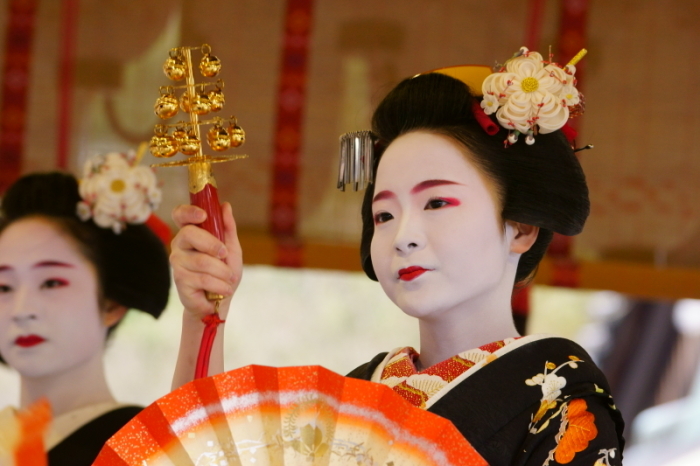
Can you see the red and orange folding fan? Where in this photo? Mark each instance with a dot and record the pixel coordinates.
(308, 415)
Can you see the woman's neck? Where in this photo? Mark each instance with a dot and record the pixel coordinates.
(483, 320)
(77, 387)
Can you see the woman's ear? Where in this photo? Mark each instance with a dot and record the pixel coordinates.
(112, 313)
(524, 236)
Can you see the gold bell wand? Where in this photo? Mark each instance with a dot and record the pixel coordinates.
(197, 99)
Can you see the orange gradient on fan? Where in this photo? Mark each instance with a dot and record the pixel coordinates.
(307, 415)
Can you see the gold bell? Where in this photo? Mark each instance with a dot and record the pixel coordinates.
(154, 146)
(174, 67)
(191, 145)
(237, 135)
(216, 99)
(179, 134)
(168, 146)
(163, 145)
(166, 105)
(200, 104)
(210, 65)
(218, 138)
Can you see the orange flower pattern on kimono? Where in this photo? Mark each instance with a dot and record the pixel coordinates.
(580, 430)
(577, 425)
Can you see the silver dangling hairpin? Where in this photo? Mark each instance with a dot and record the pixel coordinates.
(356, 160)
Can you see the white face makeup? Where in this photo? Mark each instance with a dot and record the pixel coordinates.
(50, 320)
(439, 243)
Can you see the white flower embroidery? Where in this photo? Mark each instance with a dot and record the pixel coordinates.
(475, 355)
(393, 381)
(529, 95)
(551, 387)
(428, 384)
(116, 192)
(551, 384)
(604, 459)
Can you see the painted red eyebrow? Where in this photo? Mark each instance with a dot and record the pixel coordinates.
(53, 264)
(383, 195)
(4, 268)
(423, 185)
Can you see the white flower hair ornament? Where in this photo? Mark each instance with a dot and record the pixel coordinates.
(530, 95)
(117, 191)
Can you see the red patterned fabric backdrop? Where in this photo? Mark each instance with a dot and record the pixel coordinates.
(291, 100)
(21, 16)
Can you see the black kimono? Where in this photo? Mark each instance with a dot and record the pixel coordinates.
(81, 447)
(543, 403)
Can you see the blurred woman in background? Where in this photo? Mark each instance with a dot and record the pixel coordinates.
(73, 260)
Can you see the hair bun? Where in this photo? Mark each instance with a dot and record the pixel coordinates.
(53, 194)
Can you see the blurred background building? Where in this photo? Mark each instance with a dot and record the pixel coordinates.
(79, 77)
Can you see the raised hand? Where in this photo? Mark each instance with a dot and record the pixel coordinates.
(202, 263)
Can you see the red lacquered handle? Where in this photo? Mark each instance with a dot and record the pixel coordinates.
(208, 199)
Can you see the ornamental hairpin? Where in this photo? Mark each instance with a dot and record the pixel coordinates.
(531, 95)
(356, 165)
(116, 191)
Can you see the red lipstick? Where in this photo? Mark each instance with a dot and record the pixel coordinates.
(410, 273)
(27, 341)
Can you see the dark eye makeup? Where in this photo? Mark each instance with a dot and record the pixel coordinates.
(439, 202)
(54, 283)
(381, 217)
(433, 203)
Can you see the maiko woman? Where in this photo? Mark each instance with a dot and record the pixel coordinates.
(72, 262)
(470, 182)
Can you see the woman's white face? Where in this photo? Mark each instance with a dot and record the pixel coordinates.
(50, 319)
(439, 242)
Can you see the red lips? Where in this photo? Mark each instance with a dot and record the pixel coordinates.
(29, 340)
(410, 273)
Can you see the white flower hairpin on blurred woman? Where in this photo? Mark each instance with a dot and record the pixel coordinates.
(530, 95)
(117, 191)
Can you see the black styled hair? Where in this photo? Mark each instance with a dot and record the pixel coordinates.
(132, 267)
(541, 184)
